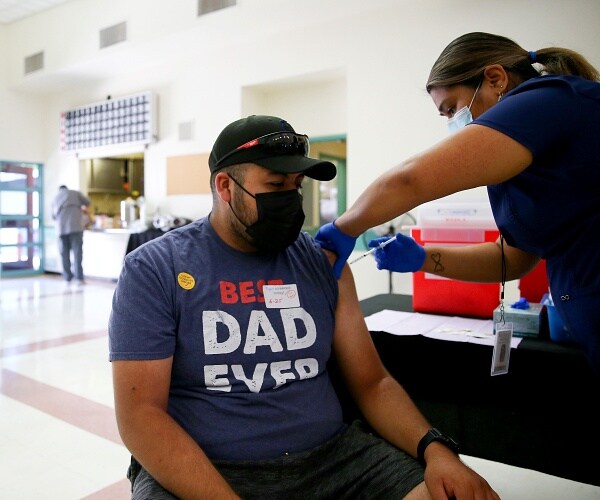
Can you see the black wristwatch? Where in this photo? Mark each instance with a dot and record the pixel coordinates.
(435, 435)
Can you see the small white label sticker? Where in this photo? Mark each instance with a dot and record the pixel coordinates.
(501, 355)
(281, 296)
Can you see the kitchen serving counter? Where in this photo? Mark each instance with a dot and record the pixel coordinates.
(104, 250)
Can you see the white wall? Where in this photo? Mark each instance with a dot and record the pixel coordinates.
(328, 66)
(21, 135)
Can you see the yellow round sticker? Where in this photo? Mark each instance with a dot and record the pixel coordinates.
(186, 281)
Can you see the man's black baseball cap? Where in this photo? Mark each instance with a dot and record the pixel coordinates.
(270, 142)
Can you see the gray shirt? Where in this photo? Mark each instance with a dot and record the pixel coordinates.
(66, 211)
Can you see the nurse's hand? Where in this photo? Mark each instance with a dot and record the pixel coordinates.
(331, 238)
(404, 255)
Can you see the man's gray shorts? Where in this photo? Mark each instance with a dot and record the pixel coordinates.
(353, 465)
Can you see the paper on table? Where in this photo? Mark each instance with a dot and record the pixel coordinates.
(383, 320)
(453, 328)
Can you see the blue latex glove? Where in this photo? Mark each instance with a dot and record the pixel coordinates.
(331, 238)
(522, 303)
(404, 255)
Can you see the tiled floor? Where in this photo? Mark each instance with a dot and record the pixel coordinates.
(58, 436)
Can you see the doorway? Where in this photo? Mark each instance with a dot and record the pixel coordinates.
(325, 200)
(21, 237)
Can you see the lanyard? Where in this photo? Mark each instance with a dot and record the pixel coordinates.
(503, 280)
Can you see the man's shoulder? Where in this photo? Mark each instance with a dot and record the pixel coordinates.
(305, 245)
(308, 251)
(307, 240)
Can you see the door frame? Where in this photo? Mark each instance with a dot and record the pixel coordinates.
(32, 220)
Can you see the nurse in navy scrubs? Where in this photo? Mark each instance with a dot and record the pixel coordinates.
(533, 138)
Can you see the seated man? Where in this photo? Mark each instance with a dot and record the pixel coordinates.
(220, 336)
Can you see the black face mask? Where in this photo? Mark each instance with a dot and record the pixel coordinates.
(279, 222)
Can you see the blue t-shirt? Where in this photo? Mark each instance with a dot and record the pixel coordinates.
(552, 208)
(249, 378)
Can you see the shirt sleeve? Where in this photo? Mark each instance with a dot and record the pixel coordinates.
(142, 323)
(540, 116)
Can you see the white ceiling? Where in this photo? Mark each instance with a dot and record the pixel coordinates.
(13, 10)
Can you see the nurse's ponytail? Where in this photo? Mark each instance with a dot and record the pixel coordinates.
(464, 60)
(559, 61)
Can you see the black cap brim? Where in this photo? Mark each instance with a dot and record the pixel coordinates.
(320, 170)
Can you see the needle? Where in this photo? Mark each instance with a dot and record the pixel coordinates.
(381, 245)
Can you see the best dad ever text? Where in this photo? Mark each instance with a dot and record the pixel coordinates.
(260, 333)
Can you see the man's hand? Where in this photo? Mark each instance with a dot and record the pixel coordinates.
(447, 477)
(404, 255)
(331, 238)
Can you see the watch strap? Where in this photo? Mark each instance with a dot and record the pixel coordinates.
(434, 434)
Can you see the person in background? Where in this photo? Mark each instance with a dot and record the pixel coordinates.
(221, 333)
(532, 138)
(70, 211)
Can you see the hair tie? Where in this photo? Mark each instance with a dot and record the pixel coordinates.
(532, 56)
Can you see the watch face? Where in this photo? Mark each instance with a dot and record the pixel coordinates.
(436, 433)
(447, 441)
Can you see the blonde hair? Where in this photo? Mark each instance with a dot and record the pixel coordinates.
(465, 58)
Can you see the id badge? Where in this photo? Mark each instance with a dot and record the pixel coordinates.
(501, 355)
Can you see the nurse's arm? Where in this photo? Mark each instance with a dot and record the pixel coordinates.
(475, 156)
(480, 263)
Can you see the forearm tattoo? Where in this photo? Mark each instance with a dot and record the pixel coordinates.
(438, 266)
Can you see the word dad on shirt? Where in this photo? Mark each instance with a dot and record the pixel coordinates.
(259, 333)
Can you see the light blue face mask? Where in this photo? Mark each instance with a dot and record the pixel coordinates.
(463, 116)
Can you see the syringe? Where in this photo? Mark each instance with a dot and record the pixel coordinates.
(381, 245)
